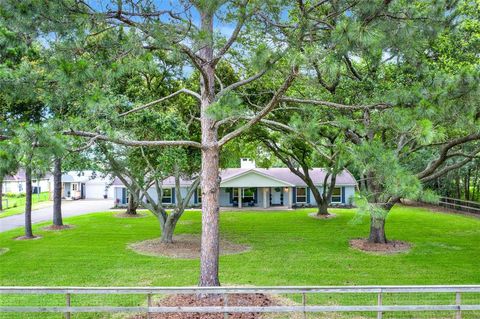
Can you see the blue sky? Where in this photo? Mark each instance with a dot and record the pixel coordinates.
(176, 6)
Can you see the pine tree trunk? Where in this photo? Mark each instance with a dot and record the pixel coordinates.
(210, 176)
(57, 193)
(210, 218)
(28, 203)
(1, 194)
(377, 231)
(132, 205)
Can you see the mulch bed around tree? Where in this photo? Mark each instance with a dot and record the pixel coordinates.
(125, 215)
(392, 247)
(259, 300)
(316, 216)
(183, 246)
(35, 237)
(57, 228)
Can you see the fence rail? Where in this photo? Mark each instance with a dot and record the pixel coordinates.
(460, 205)
(380, 308)
(5, 202)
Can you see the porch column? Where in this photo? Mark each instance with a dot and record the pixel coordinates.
(239, 197)
(265, 202)
(290, 197)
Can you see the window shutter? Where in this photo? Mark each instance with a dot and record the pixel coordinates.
(308, 195)
(124, 195)
(195, 197)
(231, 195)
(255, 195)
(294, 197)
(173, 195)
(343, 194)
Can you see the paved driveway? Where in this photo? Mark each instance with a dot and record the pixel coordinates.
(69, 208)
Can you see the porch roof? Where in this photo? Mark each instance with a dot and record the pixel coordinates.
(253, 178)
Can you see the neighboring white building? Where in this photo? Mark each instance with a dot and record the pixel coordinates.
(258, 187)
(16, 184)
(85, 185)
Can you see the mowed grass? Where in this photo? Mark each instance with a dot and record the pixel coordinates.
(16, 205)
(288, 248)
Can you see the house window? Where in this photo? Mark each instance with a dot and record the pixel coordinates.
(167, 196)
(74, 187)
(301, 194)
(248, 195)
(199, 195)
(336, 195)
(235, 194)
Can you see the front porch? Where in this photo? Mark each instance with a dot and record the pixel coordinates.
(73, 190)
(257, 197)
(254, 189)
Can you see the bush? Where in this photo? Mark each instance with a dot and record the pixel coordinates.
(14, 195)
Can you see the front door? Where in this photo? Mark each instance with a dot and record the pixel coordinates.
(276, 197)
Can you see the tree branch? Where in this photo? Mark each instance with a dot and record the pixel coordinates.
(186, 91)
(86, 146)
(448, 168)
(443, 156)
(133, 143)
(270, 106)
(234, 35)
(241, 83)
(378, 106)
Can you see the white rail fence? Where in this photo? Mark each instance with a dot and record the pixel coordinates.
(455, 305)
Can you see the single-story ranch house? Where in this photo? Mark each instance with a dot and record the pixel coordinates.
(247, 186)
(250, 186)
(15, 184)
(85, 185)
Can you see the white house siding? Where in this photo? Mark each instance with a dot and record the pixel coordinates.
(18, 187)
(183, 190)
(13, 187)
(349, 194)
(347, 197)
(224, 197)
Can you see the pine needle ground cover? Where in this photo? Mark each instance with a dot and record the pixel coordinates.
(287, 248)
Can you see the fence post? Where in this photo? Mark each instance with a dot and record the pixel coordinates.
(379, 303)
(68, 304)
(458, 301)
(225, 304)
(149, 304)
(304, 302)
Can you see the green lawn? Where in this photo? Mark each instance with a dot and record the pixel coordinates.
(16, 205)
(288, 248)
